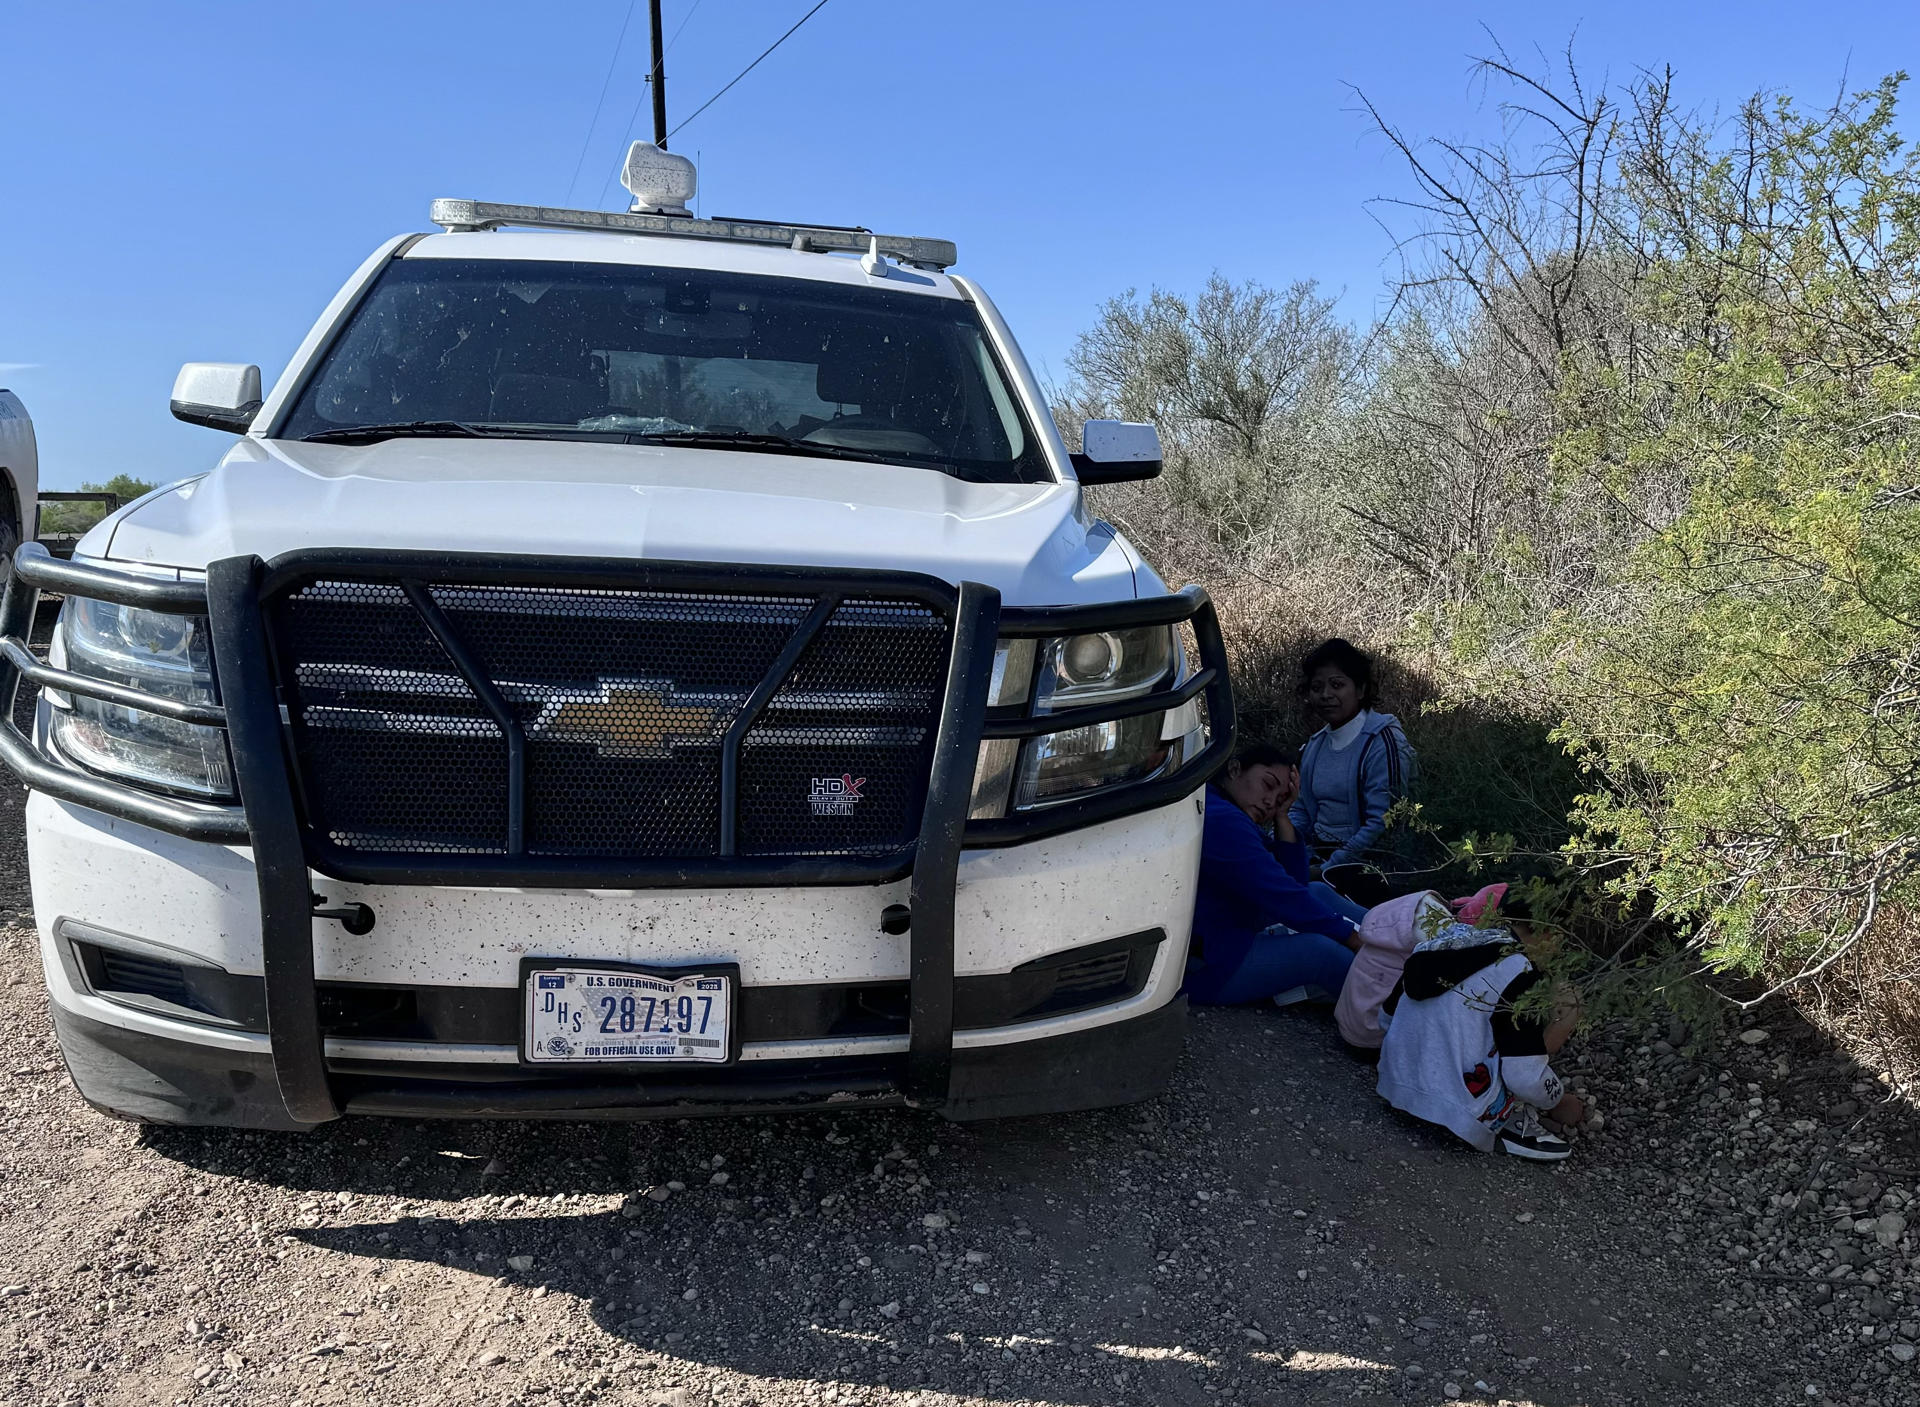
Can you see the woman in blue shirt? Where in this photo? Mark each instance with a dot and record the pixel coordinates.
(1260, 929)
(1355, 768)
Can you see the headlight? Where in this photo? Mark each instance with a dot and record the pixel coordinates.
(1079, 671)
(1105, 667)
(155, 652)
(1058, 766)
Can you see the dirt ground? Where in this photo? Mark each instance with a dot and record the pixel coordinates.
(1269, 1233)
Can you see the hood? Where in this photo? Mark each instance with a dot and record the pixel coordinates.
(651, 502)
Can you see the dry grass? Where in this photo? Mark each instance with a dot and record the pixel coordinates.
(1872, 1002)
(1486, 765)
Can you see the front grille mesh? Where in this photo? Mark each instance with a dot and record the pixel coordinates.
(623, 699)
(816, 729)
(395, 751)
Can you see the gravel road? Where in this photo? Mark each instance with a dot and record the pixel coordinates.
(1734, 1231)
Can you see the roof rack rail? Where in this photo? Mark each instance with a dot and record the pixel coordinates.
(457, 215)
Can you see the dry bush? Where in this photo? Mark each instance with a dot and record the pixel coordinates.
(1631, 462)
(1873, 1001)
(1486, 765)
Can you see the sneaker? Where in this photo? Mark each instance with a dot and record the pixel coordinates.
(1294, 996)
(1524, 1136)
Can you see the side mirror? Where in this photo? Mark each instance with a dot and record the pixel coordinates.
(1116, 451)
(218, 395)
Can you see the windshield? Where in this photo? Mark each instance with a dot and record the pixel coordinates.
(684, 356)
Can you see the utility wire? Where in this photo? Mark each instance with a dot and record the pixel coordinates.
(692, 10)
(646, 88)
(600, 101)
(751, 67)
(632, 118)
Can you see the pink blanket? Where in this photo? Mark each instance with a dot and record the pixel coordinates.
(1388, 934)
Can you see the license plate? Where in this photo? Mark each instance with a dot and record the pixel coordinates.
(595, 1015)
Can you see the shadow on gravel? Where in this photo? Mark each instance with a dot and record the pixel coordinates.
(806, 1245)
(1268, 1227)
(756, 1319)
(1157, 1254)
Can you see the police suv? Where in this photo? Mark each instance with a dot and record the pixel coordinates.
(629, 665)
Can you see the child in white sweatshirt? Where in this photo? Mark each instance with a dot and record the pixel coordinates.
(1458, 1052)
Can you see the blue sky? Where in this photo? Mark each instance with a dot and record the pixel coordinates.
(194, 180)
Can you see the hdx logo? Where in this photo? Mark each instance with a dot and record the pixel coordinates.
(836, 796)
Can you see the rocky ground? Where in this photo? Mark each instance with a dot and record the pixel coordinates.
(1734, 1229)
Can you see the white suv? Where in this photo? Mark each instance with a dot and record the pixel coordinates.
(630, 665)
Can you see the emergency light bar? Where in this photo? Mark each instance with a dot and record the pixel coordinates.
(662, 183)
(457, 215)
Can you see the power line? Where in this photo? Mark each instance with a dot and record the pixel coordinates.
(692, 10)
(634, 116)
(600, 101)
(750, 67)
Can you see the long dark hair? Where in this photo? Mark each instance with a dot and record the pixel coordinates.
(1346, 657)
(1256, 752)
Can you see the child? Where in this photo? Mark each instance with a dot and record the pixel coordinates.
(1356, 767)
(1389, 934)
(1458, 1053)
(1260, 929)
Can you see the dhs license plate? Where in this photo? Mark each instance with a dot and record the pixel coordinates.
(592, 1015)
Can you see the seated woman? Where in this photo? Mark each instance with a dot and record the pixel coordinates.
(1355, 768)
(1260, 929)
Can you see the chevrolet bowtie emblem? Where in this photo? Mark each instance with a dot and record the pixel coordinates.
(632, 717)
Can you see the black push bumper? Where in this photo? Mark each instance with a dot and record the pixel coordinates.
(133, 1074)
(294, 1086)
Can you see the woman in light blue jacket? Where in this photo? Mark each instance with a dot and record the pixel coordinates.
(1356, 767)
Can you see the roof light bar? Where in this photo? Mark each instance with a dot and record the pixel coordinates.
(458, 215)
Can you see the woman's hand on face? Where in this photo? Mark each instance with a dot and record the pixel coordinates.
(1289, 788)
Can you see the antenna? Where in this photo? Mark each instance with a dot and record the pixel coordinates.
(658, 78)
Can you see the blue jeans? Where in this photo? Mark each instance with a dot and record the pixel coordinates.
(1283, 960)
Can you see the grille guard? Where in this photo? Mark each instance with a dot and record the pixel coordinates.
(269, 820)
(414, 572)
